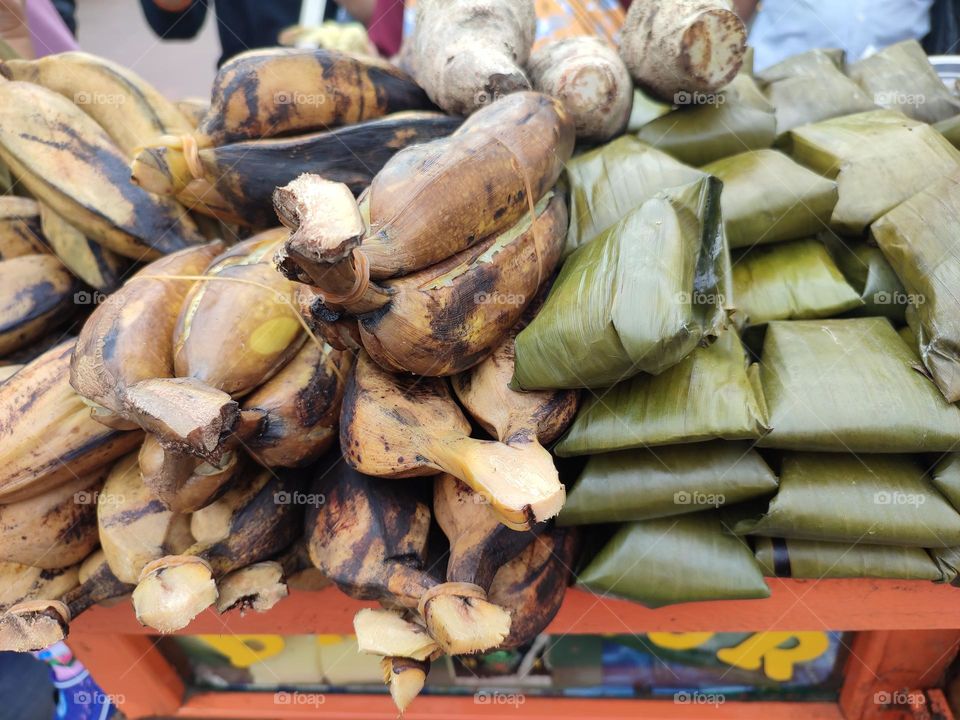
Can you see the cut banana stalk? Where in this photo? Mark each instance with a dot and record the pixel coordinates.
(406, 678)
(393, 426)
(256, 587)
(181, 481)
(386, 632)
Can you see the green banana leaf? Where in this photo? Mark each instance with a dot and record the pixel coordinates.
(739, 118)
(803, 65)
(948, 560)
(637, 299)
(812, 89)
(767, 198)
(710, 394)
(872, 499)
(850, 386)
(816, 560)
(900, 77)
(946, 478)
(674, 560)
(950, 129)
(644, 110)
(795, 280)
(674, 480)
(868, 271)
(879, 159)
(613, 179)
(919, 239)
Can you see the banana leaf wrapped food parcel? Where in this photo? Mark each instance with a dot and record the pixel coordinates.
(946, 478)
(672, 560)
(677, 479)
(869, 273)
(816, 560)
(811, 87)
(639, 298)
(850, 386)
(900, 77)
(919, 239)
(837, 497)
(737, 118)
(712, 393)
(767, 198)
(608, 182)
(948, 560)
(879, 159)
(794, 280)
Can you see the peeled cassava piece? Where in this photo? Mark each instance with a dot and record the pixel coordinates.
(879, 159)
(869, 273)
(94, 264)
(111, 354)
(714, 126)
(20, 232)
(639, 298)
(900, 77)
(872, 499)
(795, 280)
(66, 160)
(255, 519)
(589, 77)
(246, 173)
(36, 295)
(816, 560)
(672, 560)
(850, 386)
(712, 393)
(301, 407)
(608, 182)
(768, 198)
(467, 55)
(811, 87)
(918, 238)
(674, 480)
(381, 553)
(682, 46)
(437, 321)
(396, 426)
(181, 481)
(458, 614)
(34, 459)
(53, 530)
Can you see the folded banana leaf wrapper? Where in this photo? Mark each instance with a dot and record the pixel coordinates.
(811, 87)
(816, 560)
(711, 394)
(639, 298)
(716, 125)
(946, 478)
(948, 560)
(672, 560)
(900, 77)
(645, 109)
(850, 386)
(608, 182)
(674, 480)
(768, 198)
(795, 280)
(950, 129)
(872, 499)
(869, 273)
(919, 239)
(879, 159)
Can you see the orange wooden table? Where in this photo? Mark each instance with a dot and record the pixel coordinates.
(908, 634)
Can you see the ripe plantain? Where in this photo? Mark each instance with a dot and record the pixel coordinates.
(255, 519)
(36, 295)
(245, 174)
(437, 321)
(111, 354)
(53, 530)
(396, 426)
(47, 436)
(70, 163)
(95, 265)
(19, 583)
(20, 232)
(125, 105)
(301, 405)
(8, 371)
(181, 481)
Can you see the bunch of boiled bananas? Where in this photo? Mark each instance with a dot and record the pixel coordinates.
(183, 448)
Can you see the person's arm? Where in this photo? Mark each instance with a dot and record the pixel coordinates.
(13, 27)
(361, 10)
(174, 19)
(745, 9)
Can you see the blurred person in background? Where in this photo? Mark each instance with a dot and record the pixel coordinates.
(781, 28)
(34, 28)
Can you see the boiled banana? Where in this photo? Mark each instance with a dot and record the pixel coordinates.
(36, 295)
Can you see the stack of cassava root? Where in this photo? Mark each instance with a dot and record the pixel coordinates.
(255, 404)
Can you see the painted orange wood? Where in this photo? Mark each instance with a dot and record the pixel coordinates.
(793, 605)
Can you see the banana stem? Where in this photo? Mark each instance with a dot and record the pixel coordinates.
(406, 678)
(255, 587)
(461, 619)
(173, 590)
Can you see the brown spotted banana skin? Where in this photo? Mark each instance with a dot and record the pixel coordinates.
(370, 537)
(94, 264)
(36, 296)
(20, 232)
(64, 159)
(19, 583)
(36, 399)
